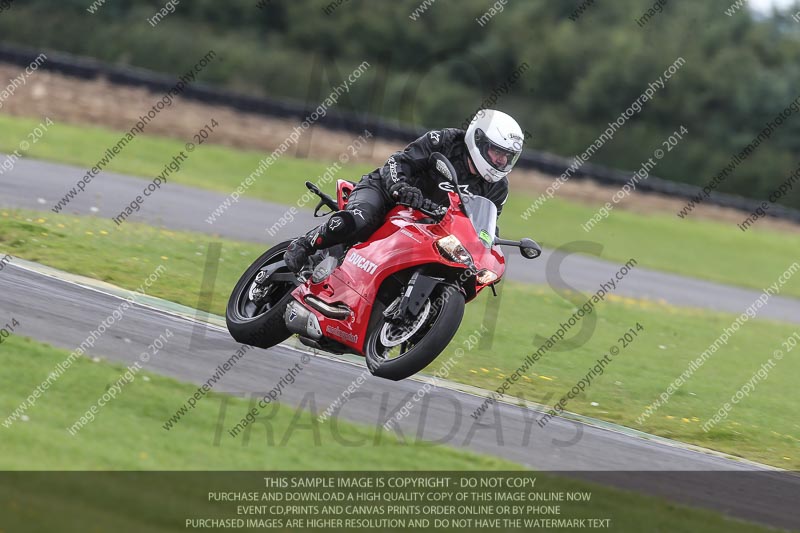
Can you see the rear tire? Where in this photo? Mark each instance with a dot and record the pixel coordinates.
(260, 322)
(427, 342)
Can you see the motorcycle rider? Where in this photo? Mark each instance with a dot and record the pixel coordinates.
(482, 156)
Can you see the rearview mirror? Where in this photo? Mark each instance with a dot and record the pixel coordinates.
(529, 249)
(443, 166)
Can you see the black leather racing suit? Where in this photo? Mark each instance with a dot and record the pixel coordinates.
(370, 200)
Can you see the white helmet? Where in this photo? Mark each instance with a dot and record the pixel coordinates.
(498, 131)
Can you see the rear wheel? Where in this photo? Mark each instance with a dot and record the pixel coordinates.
(397, 349)
(255, 310)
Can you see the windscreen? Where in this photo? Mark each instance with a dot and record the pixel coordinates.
(483, 214)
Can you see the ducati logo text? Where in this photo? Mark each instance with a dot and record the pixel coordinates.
(361, 262)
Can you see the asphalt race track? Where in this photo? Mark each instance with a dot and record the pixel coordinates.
(62, 312)
(39, 185)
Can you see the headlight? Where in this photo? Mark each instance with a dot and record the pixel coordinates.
(486, 276)
(451, 248)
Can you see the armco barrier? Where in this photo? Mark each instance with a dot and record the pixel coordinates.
(550, 164)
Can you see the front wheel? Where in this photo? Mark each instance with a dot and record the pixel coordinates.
(255, 311)
(397, 349)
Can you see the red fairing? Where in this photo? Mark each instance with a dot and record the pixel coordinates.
(401, 243)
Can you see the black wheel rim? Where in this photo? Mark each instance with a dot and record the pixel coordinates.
(251, 302)
(393, 353)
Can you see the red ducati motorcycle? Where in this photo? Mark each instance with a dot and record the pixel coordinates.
(396, 299)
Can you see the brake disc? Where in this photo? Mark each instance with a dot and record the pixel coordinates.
(394, 334)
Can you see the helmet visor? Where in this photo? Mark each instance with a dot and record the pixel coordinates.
(500, 158)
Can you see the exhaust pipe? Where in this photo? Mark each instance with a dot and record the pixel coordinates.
(302, 321)
(339, 312)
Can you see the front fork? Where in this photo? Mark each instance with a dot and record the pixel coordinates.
(418, 291)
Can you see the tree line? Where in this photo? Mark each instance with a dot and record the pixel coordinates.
(740, 70)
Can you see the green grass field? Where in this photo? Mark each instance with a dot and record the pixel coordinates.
(699, 248)
(760, 428)
(127, 435)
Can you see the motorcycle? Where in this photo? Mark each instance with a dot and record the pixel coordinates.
(397, 299)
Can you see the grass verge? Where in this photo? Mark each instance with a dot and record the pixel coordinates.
(127, 432)
(127, 435)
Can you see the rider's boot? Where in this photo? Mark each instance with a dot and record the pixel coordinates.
(335, 231)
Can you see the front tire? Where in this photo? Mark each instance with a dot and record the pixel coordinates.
(255, 316)
(426, 341)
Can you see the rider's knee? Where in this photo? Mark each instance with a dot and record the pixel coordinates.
(341, 224)
(365, 223)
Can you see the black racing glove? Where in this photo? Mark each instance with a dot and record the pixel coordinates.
(405, 194)
(432, 207)
(395, 188)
